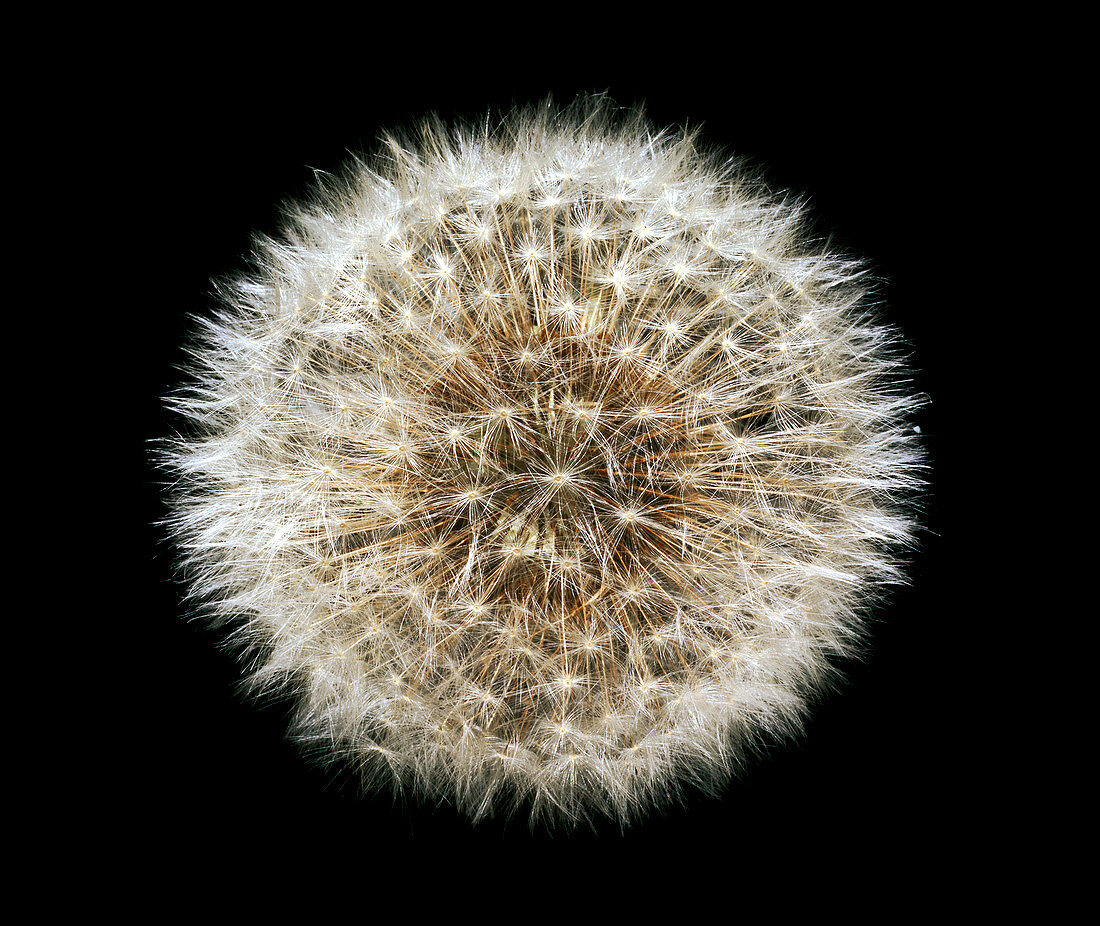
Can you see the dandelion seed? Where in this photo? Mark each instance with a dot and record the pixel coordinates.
(616, 468)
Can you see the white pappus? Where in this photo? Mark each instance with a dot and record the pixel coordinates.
(551, 463)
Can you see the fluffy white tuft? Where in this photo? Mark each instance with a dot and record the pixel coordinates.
(550, 463)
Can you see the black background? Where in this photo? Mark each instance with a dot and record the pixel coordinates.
(876, 140)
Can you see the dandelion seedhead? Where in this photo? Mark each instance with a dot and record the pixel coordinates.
(550, 463)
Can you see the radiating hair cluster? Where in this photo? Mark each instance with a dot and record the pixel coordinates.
(550, 463)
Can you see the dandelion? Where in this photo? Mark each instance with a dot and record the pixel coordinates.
(552, 464)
